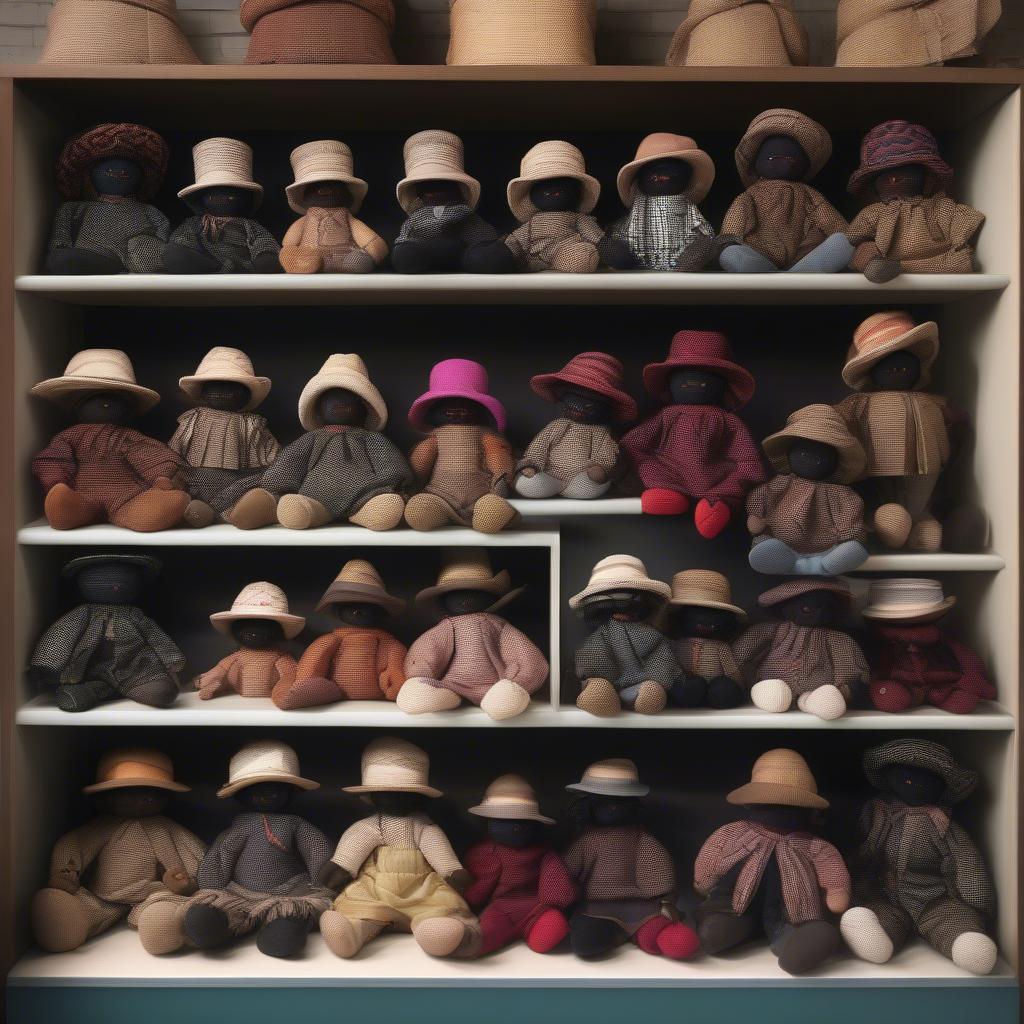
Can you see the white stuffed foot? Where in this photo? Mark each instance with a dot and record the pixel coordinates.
(418, 697)
(864, 934)
(771, 695)
(505, 699)
(974, 952)
(826, 703)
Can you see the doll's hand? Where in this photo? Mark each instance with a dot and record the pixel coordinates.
(178, 881)
(528, 472)
(617, 254)
(724, 241)
(66, 879)
(164, 483)
(459, 879)
(879, 271)
(267, 263)
(837, 900)
(756, 525)
(331, 876)
(598, 474)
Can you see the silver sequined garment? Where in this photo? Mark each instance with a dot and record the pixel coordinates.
(659, 229)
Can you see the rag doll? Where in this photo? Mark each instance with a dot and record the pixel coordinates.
(472, 654)
(106, 225)
(107, 648)
(99, 470)
(780, 222)
(696, 449)
(259, 874)
(767, 872)
(131, 862)
(396, 868)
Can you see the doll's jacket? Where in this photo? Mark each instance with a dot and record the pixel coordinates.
(249, 673)
(807, 515)
(923, 656)
(233, 241)
(626, 654)
(564, 448)
(322, 228)
(659, 229)
(217, 439)
(535, 242)
(365, 663)
(517, 882)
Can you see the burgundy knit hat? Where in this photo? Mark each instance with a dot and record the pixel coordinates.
(595, 371)
(128, 141)
(896, 144)
(706, 350)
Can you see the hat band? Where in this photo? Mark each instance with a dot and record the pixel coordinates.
(609, 775)
(134, 770)
(258, 772)
(257, 609)
(392, 777)
(522, 801)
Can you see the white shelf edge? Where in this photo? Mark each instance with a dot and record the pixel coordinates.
(548, 508)
(933, 561)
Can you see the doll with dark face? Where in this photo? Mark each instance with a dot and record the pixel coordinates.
(917, 870)
(107, 648)
(131, 862)
(767, 872)
(107, 175)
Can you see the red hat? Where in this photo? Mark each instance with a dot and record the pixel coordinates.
(896, 144)
(707, 350)
(595, 371)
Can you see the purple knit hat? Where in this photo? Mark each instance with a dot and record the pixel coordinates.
(456, 378)
(896, 144)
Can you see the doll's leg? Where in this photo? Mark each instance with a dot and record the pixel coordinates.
(952, 699)
(830, 257)
(256, 508)
(448, 935)
(893, 525)
(81, 261)
(875, 931)
(179, 259)
(724, 693)
(688, 691)
(490, 258)
(663, 501)
(672, 939)
(313, 692)
(540, 485)
(283, 937)
(843, 558)
(299, 512)
(426, 512)
(742, 259)
(62, 921)
(889, 695)
(926, 533)
(697, 255)
(381, 512)
(346, 936)
(85, 695)
(433, 256)
(594, 936)
(772, 695)
(719, 927)
(957, 931)
(301, 259)
(582, 488)
(505, 699)
(158, 690)
(772, 556)
(497, 930)
(825, 702)
(803, 947)
(152, 510)
(207, 926)
(599, 697)
(547, 932)
(67, 509)
(646, 698)
(492, 513)
(574, 256)
(419, 696)
(198, 514)
(161, 923)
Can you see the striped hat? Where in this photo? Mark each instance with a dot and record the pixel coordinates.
(617, 776)
(391, 765)
(620, 572)
(897, 144)
(907, 600)
(918, 753)
(884, 333)
(511, 798)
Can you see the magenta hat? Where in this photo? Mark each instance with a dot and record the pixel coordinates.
(457, 378)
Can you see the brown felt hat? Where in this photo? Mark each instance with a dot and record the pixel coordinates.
(814, 140)
(881, 335)
(512, 798)
(703, 588)
(817, 423)
(470, 569)
(360, 583)
(134, 766)
(666, 146)
(803, 585)
(780, 777)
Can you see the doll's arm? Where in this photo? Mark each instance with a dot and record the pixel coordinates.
(284, 671)
(966, 222)
(391, 654)
(214, 681)
(189, 233)
(423, 457)
(286, 473)
(312, 846)
(655, 874)
(434, 846)
(848, 659)
(862, 234)
(66, 225)
(163, 646)
(750, 647)
(518, 242)
(261, 241)
(642, 442)
(832, 875)
(555, 886)
(595, 660)
(57, 463)
(367, 239)
(191, 849)
(498, 459)
(218, 865)
(151, 459)
(662, 665)
(432, 653)
(740, 219)
(828, 218)
(475, 229)
(264, 448)
(747, 465)
(606, 453)
(966, 868)
(293, 236)
(57, 645)
(709, 867)
(846, 508)
(757, 509)
(160, 225)
(317, 658)
(973, 673)
(388, 464)
(522, 659)
(589, 229)
(538, 450)
(76, 850)
(486, 870)
(356, 844)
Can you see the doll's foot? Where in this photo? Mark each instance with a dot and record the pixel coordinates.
(548, 931)
(826, 703)
(254, 509)
(537, 485)
(198, 514)
(489, 258)
(505, 699)
(925, 535)
(598, 698)
(724, 693)
(697, 255)
(206, 926)
(843, 558)
(771, 695)
(688, 692)
(282, 937)
(84, 696)
(161, 928)
(59, 923)
(300, 259)
(865, 936)
(66, 509)
(152, 511)
(722, 930)
(575, 258)
(439, 936)
(178, 259)
(773, 557)
(660, 501)
(880, 271)
(313, 692)
(298, 512)
(671, 939)
(492, 513)
(893, 525)
(427, 512)
(418, 697)
(808, 946)
(974, 952)
(650, 698)
(957, 702)
(382, 512)
(892, 697)
(340, 934)
(76, 262)
(711, 517)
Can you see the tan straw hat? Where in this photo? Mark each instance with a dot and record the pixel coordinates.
(348, 371)
(470, 569)
(907, 600)
(616, 776)
(134, 766)
(619, 572)
(220, 161)
(264, 761)
(326, 160)
(434, 155)
(782, 777)
(93, 370)
(232, 364)
(884, 333)
(391, 765)
(551, 160)
(260, 601)
(359, 582)
(814, 140)
(665, 146)
(744, 33)
(703, 588)
(817, 423)
(511, 797)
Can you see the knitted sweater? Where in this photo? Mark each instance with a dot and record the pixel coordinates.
(626, 654)
(706, 658)
(412, 832)
(621, 863)
(248, 672)
(131, 231)
(564, 448)
(215, 439)
(808, 515)
(366, 664)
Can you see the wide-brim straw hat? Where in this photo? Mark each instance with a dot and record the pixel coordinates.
(803, 585)
(594, 371)
(434, 155)
(151, 566)
(360, 583)
(814, 140)
(817, 423)
(391, 765)
(104, 141)
(221, 162)
(470, 569)
(324, 160)
(615, 776)
(702, 350)
(264, 761)
(907, 600)
(666, 146)
(780, 777)
(918, 753)
(93, 370)
(348, 371)
(620, 572)
(134, 766)
(898, 143)
(457, 378)
(226, 364)
(555, 159)
(511, 798)
(260, 600)
(703, 588)
(884, 333)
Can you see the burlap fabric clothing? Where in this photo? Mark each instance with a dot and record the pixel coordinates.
(333, 241)
(458, 222)
(707, 658)
(660, 230)
(808, 516)
(562, 240)
(233, 242)
(563, 454)
(249, 673)
(122, 228)
(739, 33)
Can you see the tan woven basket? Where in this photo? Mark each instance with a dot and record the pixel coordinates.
(739, 33)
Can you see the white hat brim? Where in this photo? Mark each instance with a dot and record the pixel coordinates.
(655, 587)
(59, 389)
(292, 624)
(225, 182)
(252, 780)
(350, 380)
(259, 387)
(907, 613)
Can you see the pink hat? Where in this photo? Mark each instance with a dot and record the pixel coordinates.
(456, 378)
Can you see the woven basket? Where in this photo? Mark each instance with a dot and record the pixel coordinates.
(522, 31)
(739, 33)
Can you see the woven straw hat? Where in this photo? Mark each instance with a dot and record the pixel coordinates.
(803, 585)
(616, 776)
(326, 160)
(391, 765)
(359, 582)
(93, 370)
(434, 155)
(595, 371)
(134, 766)
(511, 797)
(223, 363)
(933, 757)
(748, 33)
(907, 600)
(814, 140)
(260, 601)
(470, 569)
(780, 777)
(151, 566)
(665, 146)
(817, 423)
(884, 333)
(620, 572)
(348, 371)
(264, 761)
(103, 141)
(703, 588)
(551, 160)
(225, 162)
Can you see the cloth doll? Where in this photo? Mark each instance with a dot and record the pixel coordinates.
(360, 660)
(806, 519)
(702, 621)
(107, 648)
(577, 455)
(222, 440)
(130, 862)
(767, 872)
(259, 621)
(521, 887)
(914, 661)
(258, 876)
(907, 433)
(917, 870)
(465, 464)
(696, 449)
(328, 237)
(439, 199)
(626, 661)
(803, 655)
(99, 470)
(625, 877)
(342, 468)
(780, 222)
(396, 868)
(222, 237)
(911, 224)
(107, 175)
(472, 654)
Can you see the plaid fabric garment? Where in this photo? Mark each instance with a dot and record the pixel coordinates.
(627, 654)
(457, 221)
(234, 245)
(413, 832)
(125, 229)
(659, 229)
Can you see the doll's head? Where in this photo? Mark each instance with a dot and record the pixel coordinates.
(605, 811)
(812, 460)
(583, 406)
(359, 613)
(551, 195)
(341, 407)
(257, 634)
(111, 582)
(466, 602)
(225, 395)
(456, 411)
(813, 608)
(266, 797)
(398, 805)
(781, 817)
(223, 201)
(514, 832)
(105, 407)
(620, 606)
(666, 177)
(115, 176)
(690, 620)
(904, 182)
(913, 785)
(328, 195)
(439, 192)
(693, 386)
(781, 158)
(132, 801)
(898, 371)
